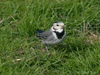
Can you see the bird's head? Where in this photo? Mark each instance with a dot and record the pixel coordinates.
(57, 26)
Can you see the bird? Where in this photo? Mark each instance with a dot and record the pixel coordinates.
(54, 35)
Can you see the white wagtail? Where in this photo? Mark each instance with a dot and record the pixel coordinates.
(53, 35)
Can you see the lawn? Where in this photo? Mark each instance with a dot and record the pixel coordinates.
(21, 53)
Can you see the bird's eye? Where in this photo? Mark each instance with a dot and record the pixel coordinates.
(57, 25)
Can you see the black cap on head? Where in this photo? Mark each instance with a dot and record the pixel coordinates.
(57, 22)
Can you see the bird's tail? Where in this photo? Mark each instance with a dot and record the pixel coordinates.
(39, 30)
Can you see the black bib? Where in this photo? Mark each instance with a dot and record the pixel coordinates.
(60, 35)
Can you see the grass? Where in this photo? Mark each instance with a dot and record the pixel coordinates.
(22, 53)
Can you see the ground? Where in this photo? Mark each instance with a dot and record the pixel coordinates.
(23, 54)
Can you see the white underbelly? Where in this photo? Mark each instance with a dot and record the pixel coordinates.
(52, 42)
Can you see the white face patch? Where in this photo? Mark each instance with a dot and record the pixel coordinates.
(57, 27)
(59, 30)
